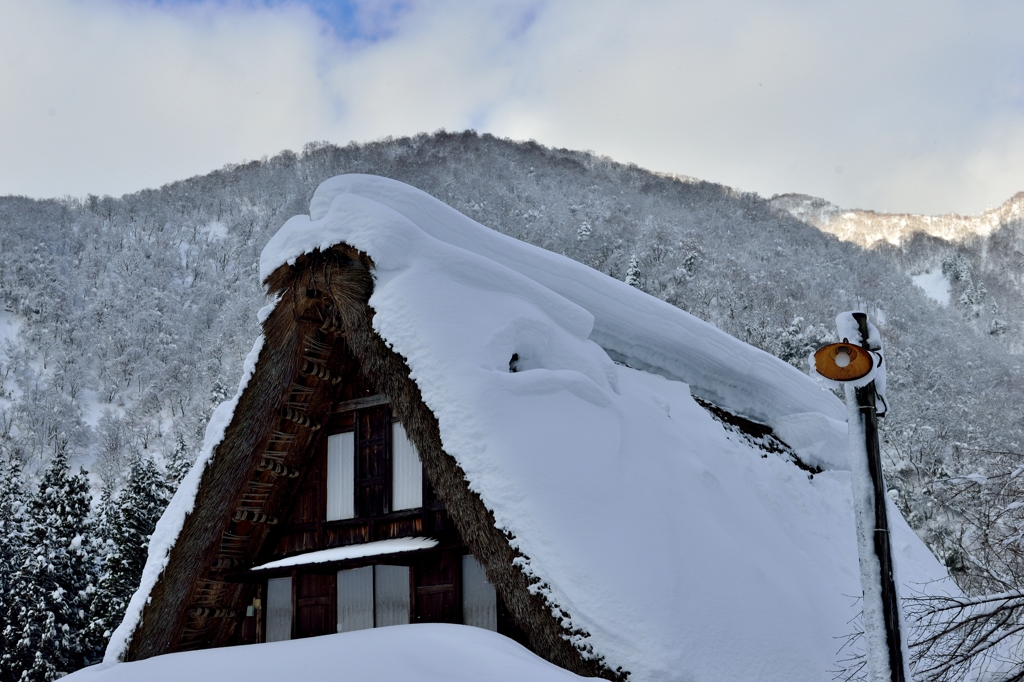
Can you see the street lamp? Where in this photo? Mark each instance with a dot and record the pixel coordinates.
(856, 364)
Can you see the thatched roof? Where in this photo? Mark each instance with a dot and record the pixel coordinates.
(322, 310)
(624, 526)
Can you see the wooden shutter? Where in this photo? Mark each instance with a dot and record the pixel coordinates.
(372, 480)
(391, 595)
(406, 471)
(341, 476)
(355, 599)
(479, 601)
(279, 609)
(314, 604)
(437, 589)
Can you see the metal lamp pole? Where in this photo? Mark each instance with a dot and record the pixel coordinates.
(847, 362)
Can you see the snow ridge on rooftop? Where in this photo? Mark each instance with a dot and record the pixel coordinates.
(635, 328)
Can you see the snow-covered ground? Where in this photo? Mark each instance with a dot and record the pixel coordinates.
(934, 284)
(402, 653)
(9, 326)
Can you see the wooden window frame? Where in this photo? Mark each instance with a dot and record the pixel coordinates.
(348, 422)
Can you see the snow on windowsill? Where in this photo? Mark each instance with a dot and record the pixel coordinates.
(393, 546)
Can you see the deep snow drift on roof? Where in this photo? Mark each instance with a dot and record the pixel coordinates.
(673, 549)
(635, 328)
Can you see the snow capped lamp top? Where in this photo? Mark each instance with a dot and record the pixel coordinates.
(843, 362)
(856, 363)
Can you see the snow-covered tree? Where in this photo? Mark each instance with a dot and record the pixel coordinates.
(53, 583)
(970, 291)
(796, 341)
(179, 463)
(633, 272)
(12, 540)
(131, 518)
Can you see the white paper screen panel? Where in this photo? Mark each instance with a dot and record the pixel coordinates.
(479, 601)
(392, 595)
(341, 476)
(355, 599)
(406, 471)
(279, 609)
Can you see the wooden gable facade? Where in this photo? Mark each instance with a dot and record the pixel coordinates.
(363, 484)
(330, 458)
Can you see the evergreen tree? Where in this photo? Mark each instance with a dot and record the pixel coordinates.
(12, 541)
(794, 343)
(633, 273)
(132, 518)
(179, 463)
(101, 550)
(53, 584)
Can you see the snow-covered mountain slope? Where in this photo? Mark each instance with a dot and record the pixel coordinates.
(867, 228)
(402, 653)
(672, 547)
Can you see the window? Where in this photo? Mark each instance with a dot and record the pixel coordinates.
(479, 601)
(341, 476)
(279, 609)
(390, 595)
(373, 596)
(406, 471)
(355, 599)
(372, 470)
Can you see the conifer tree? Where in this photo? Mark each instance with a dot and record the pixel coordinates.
(179, 463)
(53, 583)
(633, 272)
(103, 548)
(12, 541)
(132, 518)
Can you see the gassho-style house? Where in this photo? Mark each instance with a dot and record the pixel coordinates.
(439, 423)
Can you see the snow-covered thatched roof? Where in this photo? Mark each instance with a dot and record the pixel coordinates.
(660, 541)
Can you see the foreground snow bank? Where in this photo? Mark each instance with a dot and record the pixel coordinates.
(424, 653)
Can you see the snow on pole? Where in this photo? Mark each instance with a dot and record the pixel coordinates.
(857, 364)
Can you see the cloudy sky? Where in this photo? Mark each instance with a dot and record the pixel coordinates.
(899, 106)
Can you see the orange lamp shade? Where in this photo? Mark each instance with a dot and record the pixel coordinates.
(842, 362)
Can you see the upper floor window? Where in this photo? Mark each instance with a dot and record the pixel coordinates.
(372, 470)
(406, 471)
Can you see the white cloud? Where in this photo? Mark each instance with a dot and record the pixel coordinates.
(915, 106)
(107, 97)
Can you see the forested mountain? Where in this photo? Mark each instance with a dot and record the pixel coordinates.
(974, 262)
(124, 321)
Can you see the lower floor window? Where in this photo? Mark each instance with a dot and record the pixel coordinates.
(377, 596)
(373, 596)
(279, 609)
(479, 602)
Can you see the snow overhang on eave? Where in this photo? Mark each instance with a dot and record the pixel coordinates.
(349, 552)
